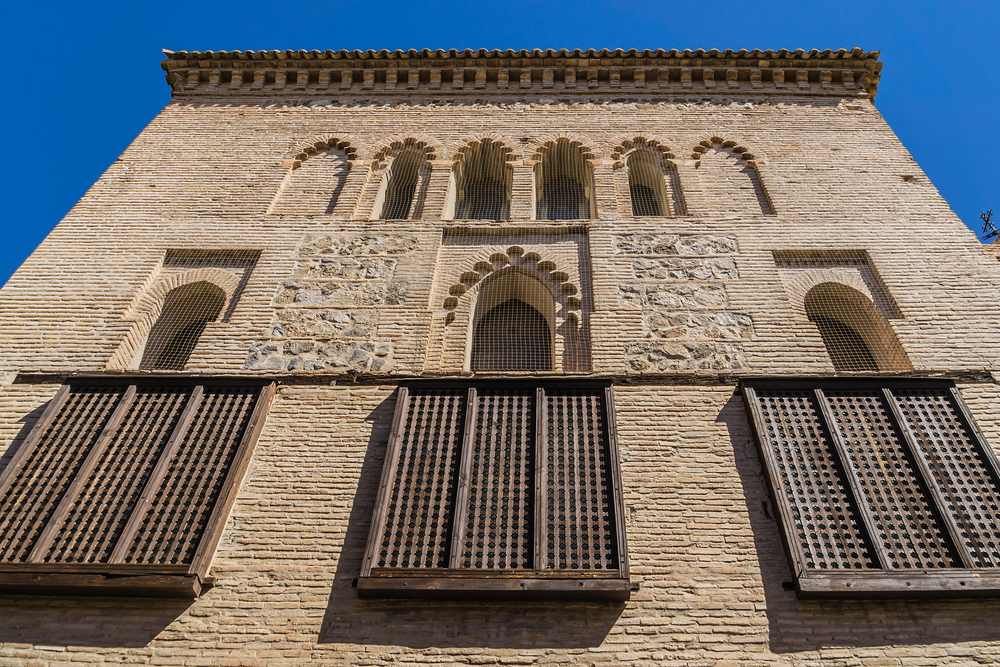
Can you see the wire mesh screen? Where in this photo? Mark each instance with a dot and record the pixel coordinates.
(847, 305)
(483, 181)
(401, 186)
(645, 184)
(512, 336)
(564, 182)
(186, 311)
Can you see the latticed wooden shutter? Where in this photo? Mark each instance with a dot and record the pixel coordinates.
(501, 489)
(883, 487)
(126, 486)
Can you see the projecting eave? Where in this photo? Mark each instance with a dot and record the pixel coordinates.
(563, 72)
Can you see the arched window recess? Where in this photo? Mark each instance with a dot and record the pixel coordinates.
(654, 187)
(856, 336)
(564, 182)
(185, 313)
(482, 179)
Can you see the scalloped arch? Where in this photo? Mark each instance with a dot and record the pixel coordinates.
(526, 263)
(625, 144)
(431, 147)
(306, 149)
(588, 149)
(457, 150)
(744, 149)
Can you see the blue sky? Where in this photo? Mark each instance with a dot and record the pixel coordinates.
(83, 80)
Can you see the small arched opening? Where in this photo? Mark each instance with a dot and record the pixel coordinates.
(512, 329)
(856, 336)
(186, 310)
(565, 183)
(645, 185)
(400, 185)
(483, 181)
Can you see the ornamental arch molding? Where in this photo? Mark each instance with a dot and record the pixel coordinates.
(729, 173)
(317, 174)
(647, 177)
(399, 169)
(480, 185)
(146, 309)
(489, 277)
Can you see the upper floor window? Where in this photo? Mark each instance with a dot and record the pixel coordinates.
(856, 336)
(483, 178)
(645, 184)
(186, 310)
(564, 182)
(396, 197)
(512, 326)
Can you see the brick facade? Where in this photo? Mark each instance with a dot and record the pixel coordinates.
(777, 156)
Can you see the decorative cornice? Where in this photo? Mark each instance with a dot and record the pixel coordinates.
(506, 72)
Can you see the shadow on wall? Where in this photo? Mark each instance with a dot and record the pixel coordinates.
(420, 624)
(809, 625)
(78, 621)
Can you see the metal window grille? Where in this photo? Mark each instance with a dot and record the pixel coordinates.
(499, 489)
(125, 488)
(401, 185)
(186, 311)
(483, 181)
(884, 488)
(564, 180)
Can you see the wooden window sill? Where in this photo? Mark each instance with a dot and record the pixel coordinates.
(496, 585)
(106, 584)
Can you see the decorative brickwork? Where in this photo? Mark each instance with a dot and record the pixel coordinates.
(266, 176)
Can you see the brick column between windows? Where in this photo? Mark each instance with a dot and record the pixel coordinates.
(605, 198)
(522, 194)
(437, 189)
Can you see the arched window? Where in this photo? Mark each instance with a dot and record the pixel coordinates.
(856, 336)
(186, 310)
(512, 328)
(564, 181)
(483, 180)
(645, 185)
(400, 186)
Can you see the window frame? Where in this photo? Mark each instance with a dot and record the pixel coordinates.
(457, 582)
(116, 577)
(884, 582)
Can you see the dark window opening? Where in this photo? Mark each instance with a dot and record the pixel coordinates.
(644, 201)
(402, 185)
(562, 199)
(484, 200)
(847, 349)
(512, 336)
(186, 311)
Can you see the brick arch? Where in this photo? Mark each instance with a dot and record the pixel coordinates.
(803, 282)
(587, 147)
(458, 150)
(306, 149)
(515, 258)
(147, 308)
(391, 146)
(624, 145)
(739, 147)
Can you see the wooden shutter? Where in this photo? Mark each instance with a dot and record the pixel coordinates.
(128, 479)
(502, 488)
(884, 487)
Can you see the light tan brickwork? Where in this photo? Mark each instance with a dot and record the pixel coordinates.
(780, 175)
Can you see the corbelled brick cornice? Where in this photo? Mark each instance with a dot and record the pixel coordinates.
(478, 72)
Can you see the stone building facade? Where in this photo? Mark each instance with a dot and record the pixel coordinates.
(262, 188)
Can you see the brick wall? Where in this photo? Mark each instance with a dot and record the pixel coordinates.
(689, 302)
